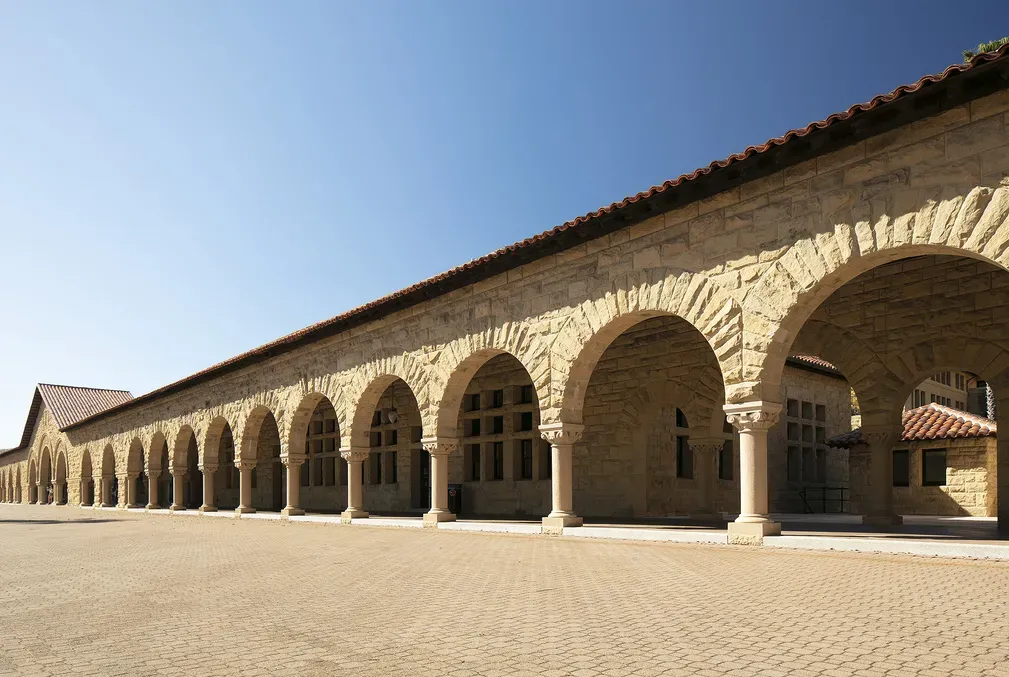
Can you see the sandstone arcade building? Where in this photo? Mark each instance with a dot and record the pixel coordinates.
(600, 368)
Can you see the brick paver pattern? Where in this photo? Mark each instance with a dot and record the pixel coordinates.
(107, 593)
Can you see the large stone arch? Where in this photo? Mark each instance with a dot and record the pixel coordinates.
(984, 358)
(367, 385)
(450, 398)
(866, 372)
(247, 436)
(952, 221)
(596, 323)
(108, 461)
(211, 441)
(300, 418)
(156, 444)
(459, 360)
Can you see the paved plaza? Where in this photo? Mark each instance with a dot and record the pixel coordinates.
(86, 592)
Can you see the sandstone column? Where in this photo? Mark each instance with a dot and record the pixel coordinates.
(753, 420)
(292, 463)
(562, 438)
(354, 457)
(106, 497)
(880, 440)
(178, 481)
(244, 486)
(84, 491)
(440, 449)
(153, 478)
(132, 489)
(706, 462)
(209, 504)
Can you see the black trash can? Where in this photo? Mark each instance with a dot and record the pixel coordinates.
(455, 498)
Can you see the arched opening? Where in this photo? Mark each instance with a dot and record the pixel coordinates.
(159, 478)
(61, 478)
(655, 443)
(136, 479)
(33, 494)
(262, 440)
(45, 477)
(110, 480)
(18, 496)
(908, 333)
(87, 479)
(387, 423)
(322, 477)
(493, 410)
(219, 451)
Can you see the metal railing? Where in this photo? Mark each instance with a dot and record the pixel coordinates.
(825, 499)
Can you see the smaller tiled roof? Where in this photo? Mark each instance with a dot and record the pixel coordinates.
(930, 422)
(68, 404)
(812, 359)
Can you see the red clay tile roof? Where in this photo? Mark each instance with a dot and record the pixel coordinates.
(815, 361)
(930, 422)
(68, 404)
(984, 74)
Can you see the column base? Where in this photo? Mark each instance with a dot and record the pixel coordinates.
(882, 520)
(554, 524)
(152, 506)
(244, 510)
(208, 508)
(431, 519)
(132, 505)
(290, 511)
(177, 508)
(752, 533)
(350, 514)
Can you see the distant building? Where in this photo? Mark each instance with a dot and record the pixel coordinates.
(944, 464)
(947, 389)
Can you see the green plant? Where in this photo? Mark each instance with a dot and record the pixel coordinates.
(969, 54)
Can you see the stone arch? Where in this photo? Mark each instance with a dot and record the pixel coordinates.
(32, 481)
(246, 445)
(155, 448)
(60, 476)
(357, 436)
(135, 456)
(449, 400)
(180, 447)
(657, 292)
(87, 478)
(300, 419)
(973, 224)
(18, 485)
(211, 441)
(984, 358)
(108, 461)
(45, 477)
(858, 362)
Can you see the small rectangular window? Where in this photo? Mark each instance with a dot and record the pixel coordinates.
(317, 473)
(376, 468)
(792, 408)
(525, 421)
(807, 410)
(808, 464)
(473, 402)
(498, 398)
(393, 468)
(473, 459)
(821, 413)
(305, 470)
(329, 471)
(933, 467)
(546, 460)
(473, 429)
(497, 425)
(526, 470)
(392, 438)
(901, 468)
(725, 464)
(498, 460)
(330, 425)
(684, 459)
(526, 395)
(794, 431)
(376, 418)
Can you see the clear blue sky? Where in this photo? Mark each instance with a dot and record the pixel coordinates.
(183, 181)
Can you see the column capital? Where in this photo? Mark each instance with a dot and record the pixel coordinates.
(293, 460)
(752, 416)
(706, 446)
(355, 454)
(209, 467)
(561, 433)
(154, 474)
(440, 446)
(245, 464)
(132, 475)
(178, 471)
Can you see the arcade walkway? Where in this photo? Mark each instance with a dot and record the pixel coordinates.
(116, 593)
